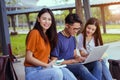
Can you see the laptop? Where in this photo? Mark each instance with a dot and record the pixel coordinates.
(96, 54)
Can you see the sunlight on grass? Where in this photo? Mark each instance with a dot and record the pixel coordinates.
(107, 38)
(117, 26)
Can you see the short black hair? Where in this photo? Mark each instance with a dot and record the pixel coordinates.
(72, 18)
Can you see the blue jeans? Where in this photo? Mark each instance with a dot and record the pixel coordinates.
(106, 75)
(91, 71)
(96, 69)
(40, 73)
(67, 75)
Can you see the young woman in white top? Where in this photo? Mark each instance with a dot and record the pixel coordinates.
(90, 38)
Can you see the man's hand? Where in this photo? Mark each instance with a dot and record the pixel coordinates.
(80, 59)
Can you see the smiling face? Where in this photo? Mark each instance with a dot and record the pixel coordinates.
(45, 21)
(90, 30)
(74, 28)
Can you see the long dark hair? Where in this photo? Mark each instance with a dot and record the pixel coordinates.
(51, 32)
(97, 34)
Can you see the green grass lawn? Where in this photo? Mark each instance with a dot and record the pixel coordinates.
(107, 38)
(18, 42)
(115, 26)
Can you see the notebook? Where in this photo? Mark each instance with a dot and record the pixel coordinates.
(58, 64)
(96, 54)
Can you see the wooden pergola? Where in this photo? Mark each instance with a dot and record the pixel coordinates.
(86, 5)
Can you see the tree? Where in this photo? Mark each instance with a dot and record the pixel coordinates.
(60, 17)
(10, 2)
(107, 14)
(96, 12)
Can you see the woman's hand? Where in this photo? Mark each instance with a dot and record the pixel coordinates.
(83, 54)
(51, 63)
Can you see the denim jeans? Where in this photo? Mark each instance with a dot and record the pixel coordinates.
(40, 73)
(96, 69)
(91, 71)
(68, 75)
(106, 75)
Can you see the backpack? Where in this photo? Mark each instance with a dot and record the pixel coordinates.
(114, 67)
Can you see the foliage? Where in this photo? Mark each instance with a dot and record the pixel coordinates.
(107, 13)
(60, 17)
(11, 2)
(96, 12)
(22, 19)
(33, 16)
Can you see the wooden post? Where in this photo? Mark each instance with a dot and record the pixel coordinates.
(4, 32)
(103, 19)
(28, 21)
(13, 22)
(79, 9)
(86, 5)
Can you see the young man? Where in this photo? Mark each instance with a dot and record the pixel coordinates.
(66, 49)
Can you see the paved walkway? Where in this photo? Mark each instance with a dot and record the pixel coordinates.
(113, 52)
(19, 68)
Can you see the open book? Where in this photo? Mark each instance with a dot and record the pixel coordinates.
(58, 64)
